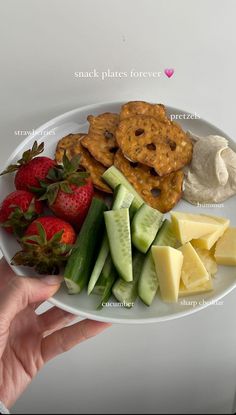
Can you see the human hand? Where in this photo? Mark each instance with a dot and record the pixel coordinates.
(27, 340)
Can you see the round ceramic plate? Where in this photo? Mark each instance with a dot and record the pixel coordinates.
(82, 305)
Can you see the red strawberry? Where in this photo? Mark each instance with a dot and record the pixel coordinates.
(51, 227)
(74, 206)
(18, 210)
(46, 245)
(29, 175)
(70, 192)
(31, 169)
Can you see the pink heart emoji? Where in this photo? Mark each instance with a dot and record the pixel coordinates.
(169, 72)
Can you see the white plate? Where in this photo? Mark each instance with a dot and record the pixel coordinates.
(82, 305)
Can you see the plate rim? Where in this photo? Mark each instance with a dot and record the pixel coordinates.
(138, 321)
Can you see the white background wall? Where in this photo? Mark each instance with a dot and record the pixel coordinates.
(185, 366)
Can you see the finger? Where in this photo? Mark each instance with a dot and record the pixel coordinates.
(21, 292)
(54, 319)
(64, 339)
(6, 273)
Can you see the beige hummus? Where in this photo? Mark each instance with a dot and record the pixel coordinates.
(211, 177)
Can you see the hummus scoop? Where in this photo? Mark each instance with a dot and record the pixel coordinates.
(211, 177)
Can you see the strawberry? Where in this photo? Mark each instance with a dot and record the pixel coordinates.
(18, 210)
(70, 192)
(30, 168)
(74, 205)
(46, 245)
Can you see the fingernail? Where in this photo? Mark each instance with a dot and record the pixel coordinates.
(53, 279)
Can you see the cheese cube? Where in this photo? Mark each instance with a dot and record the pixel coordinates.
(187, 226)
(225, 252)
(204, 288)
(168, 263)
(208, 260)
(194, 272)
(209, 240)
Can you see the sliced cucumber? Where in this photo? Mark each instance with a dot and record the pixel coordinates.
(132, 211)
(127, 292)
(105, 282)
(119, 236)
(82, 259)
(114, 177)
(122, 199)
(148, 282)
(145, 225)
(106, 271)
(102, 256)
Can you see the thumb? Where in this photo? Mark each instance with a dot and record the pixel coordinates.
(21, 292)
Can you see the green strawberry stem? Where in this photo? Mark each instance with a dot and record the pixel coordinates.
(19, 221)
(46, 256)
(27, 156)
(61, 177)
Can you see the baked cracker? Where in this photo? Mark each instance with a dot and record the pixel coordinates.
(72, 144)
(162, 193)
(133, 108)
(101, 140)
(163, 146)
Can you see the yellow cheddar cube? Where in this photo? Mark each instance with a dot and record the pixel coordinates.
(208, 259)
(204, 288)
(194, 272)
(225, 252)
(188, 226)
(209, 240)
(168, 263)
